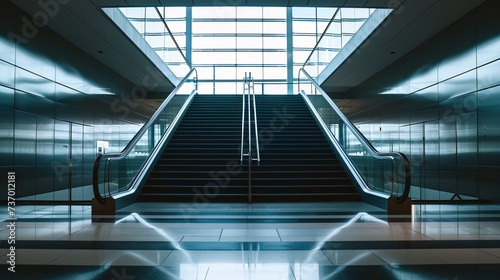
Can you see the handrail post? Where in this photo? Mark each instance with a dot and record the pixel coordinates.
(249, 121)
(243, 118)
(249, 85)
(255, 123)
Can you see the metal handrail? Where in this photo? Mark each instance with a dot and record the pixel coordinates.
(363, 139)
(248, 84)
(255, 121)
(321, 37)
(172, 36)
(243, 118)
(137, 136)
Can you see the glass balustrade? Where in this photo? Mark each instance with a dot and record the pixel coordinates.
(114, 173)
(383, 172)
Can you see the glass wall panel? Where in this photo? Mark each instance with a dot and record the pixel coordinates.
(250, 43)
(257, 72)
(275, 73)
(246, 36)
(225, 73)
(237, 39)
(214, 42)
(249, 27)
(214, 12)
(249, 57)
(274, 13)
(275, 43)
(274, 58)
(274, 27)
(332, 36)
(249, 12)
(211, 27)
(148, 23)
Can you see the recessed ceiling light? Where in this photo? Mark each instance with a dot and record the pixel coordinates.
(100, 51)
(393, 52)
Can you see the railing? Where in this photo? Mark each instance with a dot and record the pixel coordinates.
(312, 62)
(342, 27)
(248, 85)
(383, 172)
(118, 173)
(176, 60)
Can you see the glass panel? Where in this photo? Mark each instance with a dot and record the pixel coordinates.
(250, 43)
(274, 12)
(249, 12)
(249, 58)
(151, 12)
(134, 12)
(225, 73)
(275, 43)
(214, 12)
(149, 24)
(271, 88)
(304, 42)
(177, 26)
(326, 13)
(346, 23)
(303, 12)
(205, 73)
(206, 88)
(256, 72)
(175, 12)
(381, 173)
(275, 58)
(249, 27)
(214, 57)
(304, 26)
(274, 28)
(117, 174)
(214, 43)
(155, 26)
(213, 27)
(225, 88)
(275, 72)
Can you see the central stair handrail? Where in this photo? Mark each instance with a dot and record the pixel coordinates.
(248, 85)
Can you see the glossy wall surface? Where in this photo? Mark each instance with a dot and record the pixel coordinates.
(56, 102)
(440, 104)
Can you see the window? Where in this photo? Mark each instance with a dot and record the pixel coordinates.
(226, 42)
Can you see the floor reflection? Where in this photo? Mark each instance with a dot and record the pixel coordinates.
(259, 241)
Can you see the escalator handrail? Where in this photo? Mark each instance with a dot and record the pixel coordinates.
(373, 151)
(136, 138)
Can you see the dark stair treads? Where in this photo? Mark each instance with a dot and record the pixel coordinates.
(201, 163)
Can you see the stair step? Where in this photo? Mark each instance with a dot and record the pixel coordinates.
(240, 174)
(201, 162)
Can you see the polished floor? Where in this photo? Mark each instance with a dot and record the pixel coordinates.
(259, 241)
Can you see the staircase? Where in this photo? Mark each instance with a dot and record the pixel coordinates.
(201, 163)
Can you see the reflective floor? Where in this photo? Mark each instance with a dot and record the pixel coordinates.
(259, 241)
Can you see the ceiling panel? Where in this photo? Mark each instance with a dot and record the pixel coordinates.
(297, 3)
(271, 3)
(355, 3)
(142, 3)
(326, 3)
(381, 4)
(110, 3)
(180, 3)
